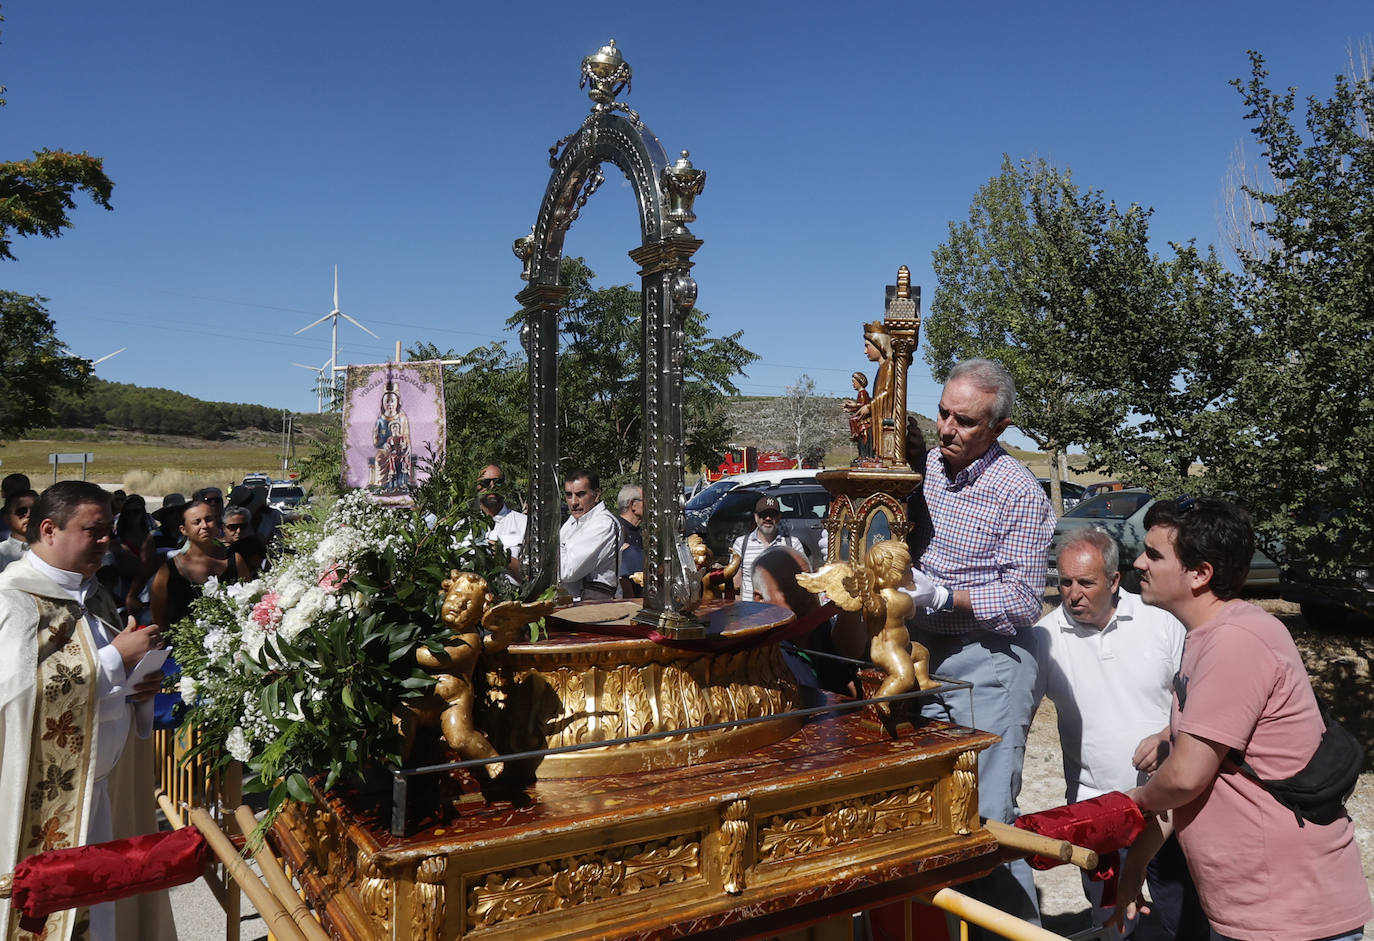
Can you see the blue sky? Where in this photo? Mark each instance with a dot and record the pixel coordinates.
(255, 145)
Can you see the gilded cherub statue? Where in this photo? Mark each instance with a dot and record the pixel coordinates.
(873, 588)
(716, 582)
(479, 626)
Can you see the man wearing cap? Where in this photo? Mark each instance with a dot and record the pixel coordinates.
(768, 532)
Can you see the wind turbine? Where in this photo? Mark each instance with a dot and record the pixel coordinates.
(334, 315)
(97, 362)
(319, 380)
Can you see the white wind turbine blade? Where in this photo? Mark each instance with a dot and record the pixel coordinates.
(314, 324)
(356, 324)
(97, 362)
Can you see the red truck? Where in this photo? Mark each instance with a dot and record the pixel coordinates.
(748, 460)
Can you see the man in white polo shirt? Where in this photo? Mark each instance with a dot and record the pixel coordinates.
(1107, 661)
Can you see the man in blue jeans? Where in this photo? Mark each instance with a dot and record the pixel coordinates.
(978, 591)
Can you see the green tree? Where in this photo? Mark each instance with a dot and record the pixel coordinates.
(1299, 419)
(1032, 280)
(600, 378)
(35, 366)
(1174, 368)
(36, 194)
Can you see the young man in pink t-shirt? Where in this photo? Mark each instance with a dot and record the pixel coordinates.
(1260, 875)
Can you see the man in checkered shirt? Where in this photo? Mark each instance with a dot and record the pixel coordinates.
(978, 591)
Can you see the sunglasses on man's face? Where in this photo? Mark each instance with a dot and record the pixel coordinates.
(486, 483)
(768, 515)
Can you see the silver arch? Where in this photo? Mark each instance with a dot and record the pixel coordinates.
(664, 195)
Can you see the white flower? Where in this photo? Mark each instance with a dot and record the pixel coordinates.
(243, 592)
(212, 587)
(187, 687)
(237, 745)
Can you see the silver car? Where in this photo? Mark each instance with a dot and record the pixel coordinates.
(1122, 514)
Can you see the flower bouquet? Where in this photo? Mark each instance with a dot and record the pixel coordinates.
(301, 670)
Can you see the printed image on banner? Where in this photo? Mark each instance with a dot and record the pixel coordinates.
(393, 427)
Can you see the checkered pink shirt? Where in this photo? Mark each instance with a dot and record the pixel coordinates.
(991, 528)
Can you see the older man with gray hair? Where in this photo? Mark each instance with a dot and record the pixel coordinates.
(1107, 662)
(630, 504)
(978, 590)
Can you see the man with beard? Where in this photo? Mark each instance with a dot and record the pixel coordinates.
(768, 532)
(507, 525)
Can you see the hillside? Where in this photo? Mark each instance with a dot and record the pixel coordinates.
(752, 417)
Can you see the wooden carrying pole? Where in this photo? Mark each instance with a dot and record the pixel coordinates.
(277, 881)
(1027, 842)
(986, 916)
(278, 920)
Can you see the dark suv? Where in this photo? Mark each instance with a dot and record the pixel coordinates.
(804, 508)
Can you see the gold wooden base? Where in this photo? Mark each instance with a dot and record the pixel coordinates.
(835, 817)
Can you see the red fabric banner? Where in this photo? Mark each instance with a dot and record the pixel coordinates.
(1103, 824)
(87, 875)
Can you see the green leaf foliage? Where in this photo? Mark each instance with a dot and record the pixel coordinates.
(35, 366)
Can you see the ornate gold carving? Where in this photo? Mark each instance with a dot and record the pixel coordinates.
(579, 880)
(963, 798)
(835, 824)
(427, 909)
(374, 891)
(734, 833)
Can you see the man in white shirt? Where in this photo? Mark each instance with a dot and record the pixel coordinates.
(507, 525)
(66, 668)
(768, 532)
(1107, 661)
(589, 542)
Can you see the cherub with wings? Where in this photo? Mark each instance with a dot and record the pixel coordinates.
(479, 627)
(873, 588)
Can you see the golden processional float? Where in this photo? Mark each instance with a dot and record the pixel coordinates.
(653, 770)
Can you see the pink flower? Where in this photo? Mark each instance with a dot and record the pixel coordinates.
(266, 613)
(330, 579)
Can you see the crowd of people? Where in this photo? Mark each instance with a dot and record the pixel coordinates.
(1185, 697)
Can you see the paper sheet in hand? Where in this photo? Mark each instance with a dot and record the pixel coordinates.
(151, 663)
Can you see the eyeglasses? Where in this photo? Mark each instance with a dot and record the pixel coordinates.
(235, 525)
(769, 515)
(485, 483)
(21, 510)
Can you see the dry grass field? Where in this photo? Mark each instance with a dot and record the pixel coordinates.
(148, 464)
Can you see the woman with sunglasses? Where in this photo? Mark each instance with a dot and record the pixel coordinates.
(16, 514)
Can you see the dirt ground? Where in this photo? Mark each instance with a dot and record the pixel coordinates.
(1339, 663)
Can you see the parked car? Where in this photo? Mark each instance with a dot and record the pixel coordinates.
(1339, 598)
(1071, 492)
(803, 508)
(1121, 513)
(260, 480)
(287, 497)
(1346, 598)
(1103, 486)
(700, 506)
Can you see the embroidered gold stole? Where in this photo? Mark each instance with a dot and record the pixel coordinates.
(65, 715)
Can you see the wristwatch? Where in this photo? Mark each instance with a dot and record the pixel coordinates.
(948, 604)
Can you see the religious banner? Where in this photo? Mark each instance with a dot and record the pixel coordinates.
(394, 427)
